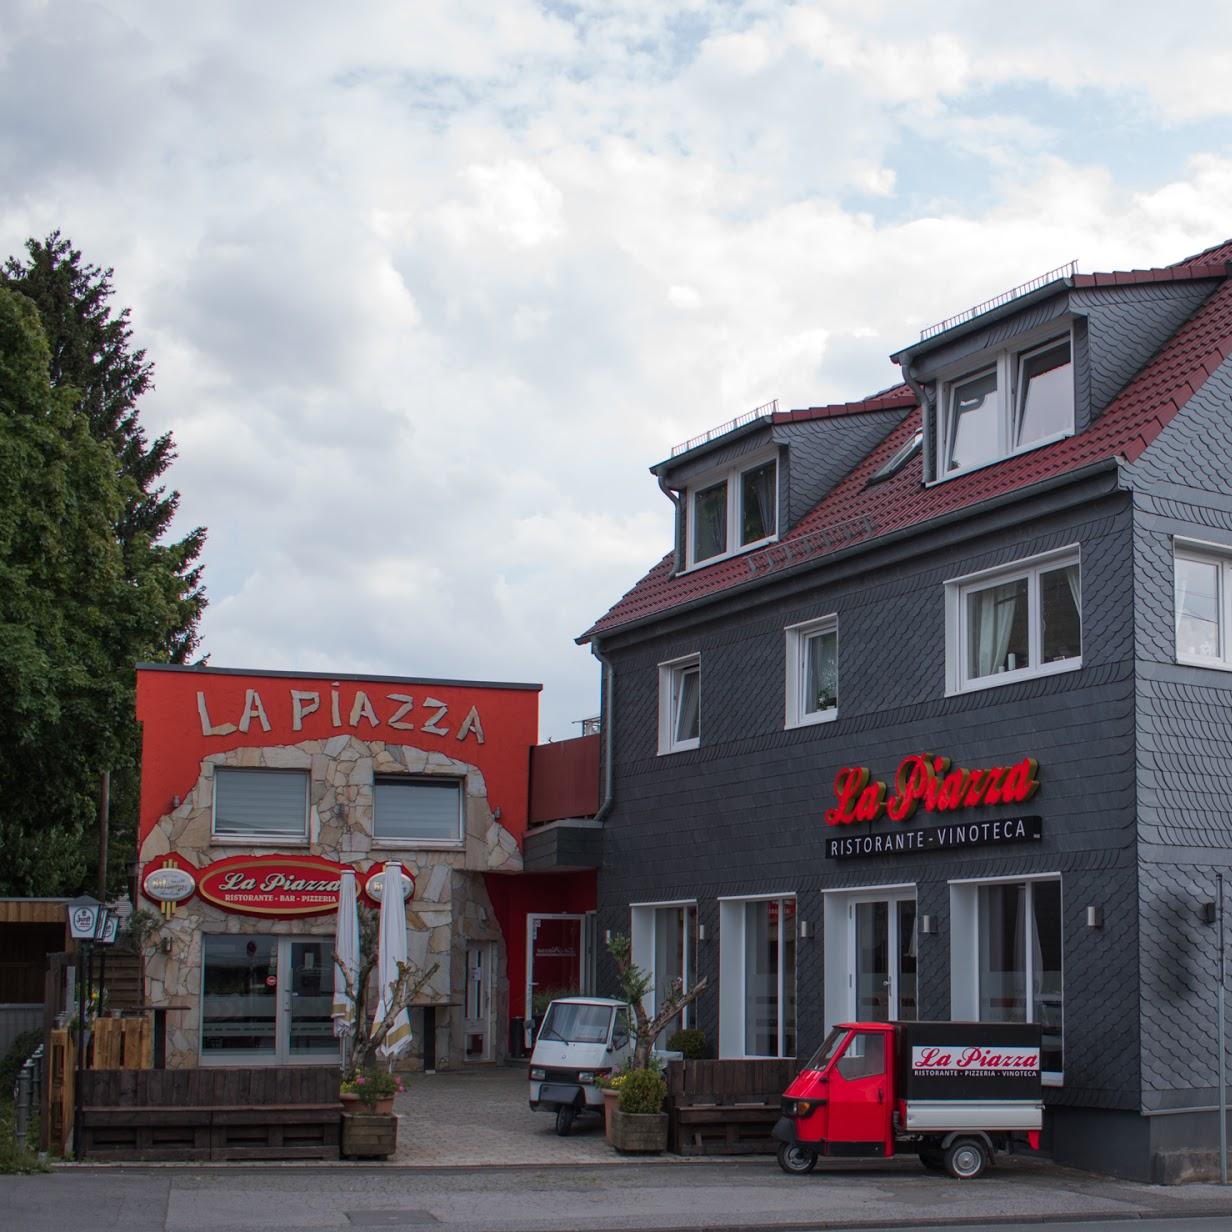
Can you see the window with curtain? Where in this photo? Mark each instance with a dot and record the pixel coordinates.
(1016, 622)
(733, 511)
(812, 672)
(770, 977)
(251, 804)
(1202, 595)
(1019, 960)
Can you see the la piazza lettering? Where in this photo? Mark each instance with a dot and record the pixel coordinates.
(928, 782)
(394, 712)
(278, 881)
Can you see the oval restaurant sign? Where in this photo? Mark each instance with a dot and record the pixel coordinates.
(272, 885)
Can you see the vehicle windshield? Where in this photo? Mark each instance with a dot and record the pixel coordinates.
(577, 1024)
(825, 1054)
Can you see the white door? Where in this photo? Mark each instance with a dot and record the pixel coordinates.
(477, 1011)
(882, 957)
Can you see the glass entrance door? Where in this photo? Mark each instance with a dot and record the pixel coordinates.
(267, 1000)
(883, 961)
(477, 1014)
(556, 960)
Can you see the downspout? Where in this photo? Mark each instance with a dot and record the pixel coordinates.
(609, 679)
(674, 496)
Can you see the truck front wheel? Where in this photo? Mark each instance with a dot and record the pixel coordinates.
(966, 1158)
(795, 1160)
(564, 1118)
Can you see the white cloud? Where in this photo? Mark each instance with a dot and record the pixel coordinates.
(429, 287)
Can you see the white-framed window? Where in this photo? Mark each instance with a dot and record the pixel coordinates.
(733, 510)
(757, 976)
(663, 940)
(1015, 400)
(680, 701)
(1015, 622)
(1006, 958)
(420, 811)
(257, 805)
(1203, 589)
(812, 672)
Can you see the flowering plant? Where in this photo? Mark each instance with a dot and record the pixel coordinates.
(611, 1082)
(372, 1085)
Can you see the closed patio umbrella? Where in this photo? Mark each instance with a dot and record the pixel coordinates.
(346, 947)
(392, 952)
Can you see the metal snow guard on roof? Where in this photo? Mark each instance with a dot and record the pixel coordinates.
(764, 411)
(1042, 280)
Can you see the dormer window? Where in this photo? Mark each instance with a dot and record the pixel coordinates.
(1019, 399)
(733, 511)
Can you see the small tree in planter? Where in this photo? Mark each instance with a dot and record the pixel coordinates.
(634, 985)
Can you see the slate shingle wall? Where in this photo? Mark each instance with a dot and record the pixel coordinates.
(741, 815)
(1182, 488)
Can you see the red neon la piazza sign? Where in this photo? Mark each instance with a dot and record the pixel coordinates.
(931, 783)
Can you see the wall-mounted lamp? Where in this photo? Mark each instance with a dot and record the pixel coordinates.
(175, 802)
(1208, 913)
(928, 925)
(806, 930)
(607, 936)
(496, 813)
(165, 945)
(701, 932)
(1095, 917)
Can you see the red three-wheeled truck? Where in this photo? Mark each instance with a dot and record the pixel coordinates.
(952, 1093)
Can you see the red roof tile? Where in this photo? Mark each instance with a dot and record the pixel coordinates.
(899, 397)
(857, 512)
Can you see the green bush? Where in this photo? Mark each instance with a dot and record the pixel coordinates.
(20, 1050)
(689, 1041)
(642, 1091)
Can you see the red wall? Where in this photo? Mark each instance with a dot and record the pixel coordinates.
(174, 736)
(564, 779)
(514, 898)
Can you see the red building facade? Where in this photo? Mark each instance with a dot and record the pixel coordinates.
(259, 788)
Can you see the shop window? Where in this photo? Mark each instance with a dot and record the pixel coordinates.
(733, 511)
(1014, 400)
(1006, 964)
(256, 805)
(417, 810)
(1203, 596)
(664, 945)
(1014, 623)
(812, 672)
(757, 985)
(680, 698)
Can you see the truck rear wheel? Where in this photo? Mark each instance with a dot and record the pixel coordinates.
(966, 1158)
(795, 1160)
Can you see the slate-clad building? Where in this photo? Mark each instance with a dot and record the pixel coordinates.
(928, 711)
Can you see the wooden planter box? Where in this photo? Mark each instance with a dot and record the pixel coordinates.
(645, 1133)
(369, 1135)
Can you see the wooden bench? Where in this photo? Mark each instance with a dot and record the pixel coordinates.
(211, 1114)
(725, 1107)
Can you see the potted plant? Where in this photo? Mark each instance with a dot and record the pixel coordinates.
(638, 1120)
(369, 1126)
(371, 1089)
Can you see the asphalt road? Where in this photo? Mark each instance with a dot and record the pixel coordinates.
(722, 1195)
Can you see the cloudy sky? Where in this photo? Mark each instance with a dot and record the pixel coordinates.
(429, 286)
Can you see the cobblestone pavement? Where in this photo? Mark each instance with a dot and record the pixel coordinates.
(481, 1116)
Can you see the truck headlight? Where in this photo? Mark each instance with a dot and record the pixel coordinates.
(586, 1076)
(537, 1075)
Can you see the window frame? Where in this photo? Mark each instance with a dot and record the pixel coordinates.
(670, 674)
(729, 476)
(437, 844)
(796, 657)
(644, 939)
(1007, 363)
(733, 949)
(1198, 551)
(965, 950)
(261, 838)
(957, 622)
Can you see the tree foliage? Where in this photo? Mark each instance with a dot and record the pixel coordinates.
(634, 985)
(86, 588)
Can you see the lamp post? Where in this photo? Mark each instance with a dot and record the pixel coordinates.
(89, 921)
